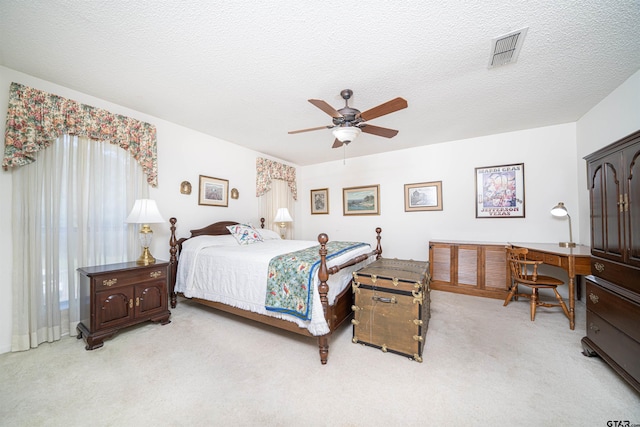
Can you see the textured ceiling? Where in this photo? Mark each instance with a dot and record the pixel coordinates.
(243, 70)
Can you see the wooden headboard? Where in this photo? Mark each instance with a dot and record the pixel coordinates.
(215, 229)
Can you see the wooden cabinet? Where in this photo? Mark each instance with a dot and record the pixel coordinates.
(613, 290)
(119, 295)
(472, 268)
(613, 328)
(613, 175)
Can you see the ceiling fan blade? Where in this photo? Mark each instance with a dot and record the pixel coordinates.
(337, 143)
(386, 108)
(325, 107)
(308, 130)
(377, 130)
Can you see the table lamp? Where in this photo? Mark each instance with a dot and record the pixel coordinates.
(560, 211)
(145, 212)
(282, 216)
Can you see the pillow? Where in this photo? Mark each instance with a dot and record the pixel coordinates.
(244, 234)
(269, 234)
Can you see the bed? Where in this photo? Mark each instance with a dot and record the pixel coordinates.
(215, 267)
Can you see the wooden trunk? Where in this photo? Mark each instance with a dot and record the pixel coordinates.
(391, 306)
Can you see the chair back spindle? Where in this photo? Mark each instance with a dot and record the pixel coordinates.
(525, 272)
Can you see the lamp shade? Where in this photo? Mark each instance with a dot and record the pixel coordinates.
(559, 210)
(145, 211)
(283, 215)
(346, 133)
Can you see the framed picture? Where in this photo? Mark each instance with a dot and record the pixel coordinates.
(423, 196)
(500, 191)
(320, 201)
(361, 200)
(213, 191)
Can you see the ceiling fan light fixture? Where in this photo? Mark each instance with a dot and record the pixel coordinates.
(346, 134)
(347, 123)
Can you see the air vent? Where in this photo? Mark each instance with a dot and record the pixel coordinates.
(506, 48)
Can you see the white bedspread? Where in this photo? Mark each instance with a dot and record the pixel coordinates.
(217, 268)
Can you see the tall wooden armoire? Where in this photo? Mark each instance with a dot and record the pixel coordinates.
(613, 289)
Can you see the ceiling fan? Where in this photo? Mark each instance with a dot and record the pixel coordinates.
(349, 122)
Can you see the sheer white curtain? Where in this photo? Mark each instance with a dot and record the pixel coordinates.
(69, 208)
(279, 197)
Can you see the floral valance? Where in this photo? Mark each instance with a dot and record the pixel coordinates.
(36, 118)
(266, 170)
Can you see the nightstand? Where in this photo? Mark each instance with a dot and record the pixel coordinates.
(116, 296)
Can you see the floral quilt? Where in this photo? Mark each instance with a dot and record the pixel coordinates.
(290, 278)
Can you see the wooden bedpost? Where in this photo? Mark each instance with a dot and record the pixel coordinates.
(323, 289)
(378, 246)
(173, 263)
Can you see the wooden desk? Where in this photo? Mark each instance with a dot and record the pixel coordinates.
(575, 261)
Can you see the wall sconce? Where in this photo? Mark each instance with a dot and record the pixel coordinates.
(559, 210)
(185, 187)
(145, 212)
(235, 193)
(283, 217)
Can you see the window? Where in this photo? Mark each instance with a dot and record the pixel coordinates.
(69, 209)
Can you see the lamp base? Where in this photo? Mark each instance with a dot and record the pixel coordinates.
(567, 244)
(146, 258)
(283, 230)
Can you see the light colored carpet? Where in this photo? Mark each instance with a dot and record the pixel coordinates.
(484, 364)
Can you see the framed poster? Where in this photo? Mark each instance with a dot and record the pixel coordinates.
(500, 191)
(423, 196)
(213, 191)
(361, 200)
(320, 201)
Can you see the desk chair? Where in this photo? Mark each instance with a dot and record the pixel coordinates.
(525, 272)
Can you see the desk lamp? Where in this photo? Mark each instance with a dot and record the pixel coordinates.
(560, 211)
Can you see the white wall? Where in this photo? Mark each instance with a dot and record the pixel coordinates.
(554, 171)
(183, 154)
(548, 155)
(613, 118)
(6, 254)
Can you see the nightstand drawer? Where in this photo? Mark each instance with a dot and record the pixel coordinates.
(125, 278)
